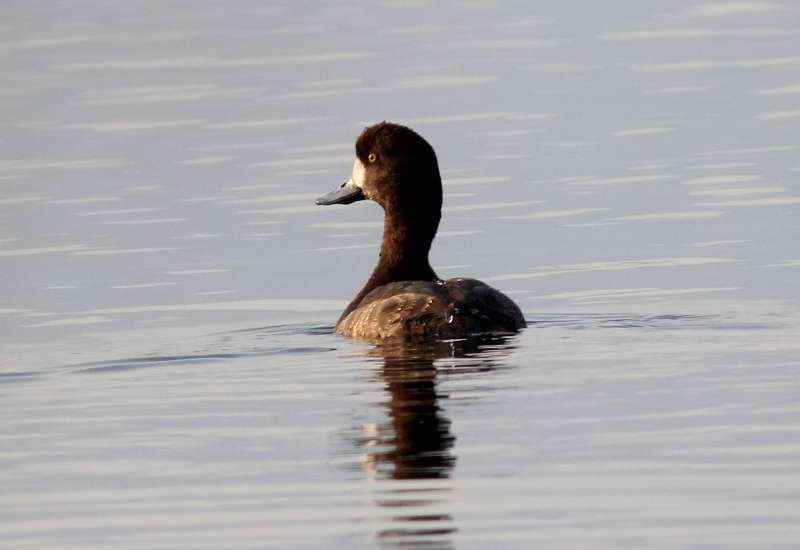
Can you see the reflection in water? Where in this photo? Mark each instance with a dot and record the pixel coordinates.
(416, 442)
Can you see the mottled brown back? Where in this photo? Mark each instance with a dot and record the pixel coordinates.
(431, 309)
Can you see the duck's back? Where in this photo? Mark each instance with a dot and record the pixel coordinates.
(424, 309)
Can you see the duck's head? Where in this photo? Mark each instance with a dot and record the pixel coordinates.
(395, 167)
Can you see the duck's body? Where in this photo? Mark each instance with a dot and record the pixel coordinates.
(404, 297)
(419, 309)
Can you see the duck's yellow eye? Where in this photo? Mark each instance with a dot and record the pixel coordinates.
(372, 157)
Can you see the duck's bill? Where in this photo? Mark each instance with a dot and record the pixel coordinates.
(348, 192)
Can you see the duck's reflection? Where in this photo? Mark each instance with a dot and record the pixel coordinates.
(416, 442)
(417, 438)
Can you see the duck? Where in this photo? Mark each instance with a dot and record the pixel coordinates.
(404, 298)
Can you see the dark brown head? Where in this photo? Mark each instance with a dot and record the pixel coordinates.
(396, 168)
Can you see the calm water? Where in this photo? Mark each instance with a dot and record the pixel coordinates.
(630, 175)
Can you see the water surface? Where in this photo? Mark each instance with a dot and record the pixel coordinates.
(627, 173)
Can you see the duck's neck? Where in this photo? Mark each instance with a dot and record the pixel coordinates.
(407, 239)
(404, 250)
